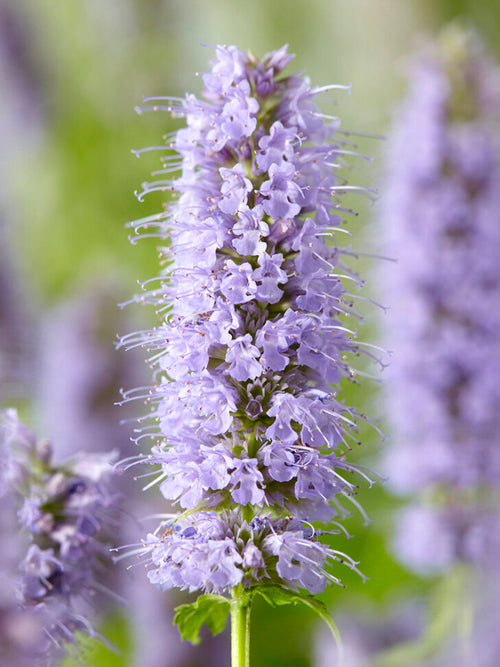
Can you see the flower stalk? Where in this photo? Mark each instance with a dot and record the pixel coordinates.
(240, 627)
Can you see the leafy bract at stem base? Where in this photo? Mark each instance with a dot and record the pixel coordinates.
(213, 611)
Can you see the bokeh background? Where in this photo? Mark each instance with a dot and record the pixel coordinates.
(70, 75)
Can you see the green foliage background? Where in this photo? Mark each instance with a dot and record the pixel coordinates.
(71, 193)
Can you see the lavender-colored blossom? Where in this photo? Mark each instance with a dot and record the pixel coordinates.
(66, 512)
(441, 216)
(252, 335)
(242, 357)
(234, 189)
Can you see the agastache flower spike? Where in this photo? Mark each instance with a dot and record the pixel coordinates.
(441, 211)
(251, 433)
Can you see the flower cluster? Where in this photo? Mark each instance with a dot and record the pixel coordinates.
(253, 334)
(443, 194)
(64, 513)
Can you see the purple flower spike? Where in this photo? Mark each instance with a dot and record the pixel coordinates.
(441, 211)
(242, 403)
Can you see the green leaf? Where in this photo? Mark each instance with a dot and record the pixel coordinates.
(277, 596)
(209, 609)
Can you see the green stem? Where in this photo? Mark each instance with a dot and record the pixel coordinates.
(240, 628)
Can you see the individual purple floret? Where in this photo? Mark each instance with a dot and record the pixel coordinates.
(65, 516)
(252, 334)
(441, 216)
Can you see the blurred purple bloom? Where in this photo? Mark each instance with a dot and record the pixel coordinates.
(441, 217)
(67, 512)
